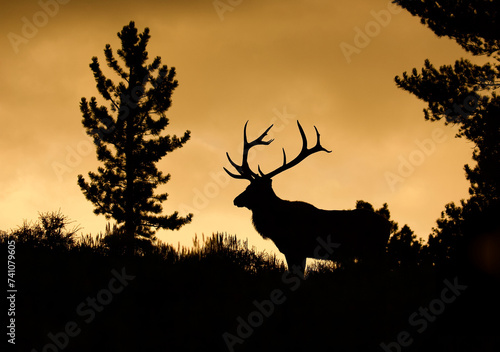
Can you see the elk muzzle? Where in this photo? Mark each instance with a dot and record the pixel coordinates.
(239, 201)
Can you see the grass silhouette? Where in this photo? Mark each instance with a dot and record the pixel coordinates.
(186, 299)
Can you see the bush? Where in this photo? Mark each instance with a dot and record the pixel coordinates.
(50, 231)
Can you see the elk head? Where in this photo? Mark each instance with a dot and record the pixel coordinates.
(260, 189)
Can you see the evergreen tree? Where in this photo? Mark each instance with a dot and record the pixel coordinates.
(130, 143)
(403, 248)
(463, 94)
(472, 24)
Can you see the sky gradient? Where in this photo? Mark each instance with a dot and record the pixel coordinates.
(327, 64)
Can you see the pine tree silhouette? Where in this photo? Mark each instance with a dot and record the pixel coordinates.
(472, 24)
(129, 143)
(464, 94)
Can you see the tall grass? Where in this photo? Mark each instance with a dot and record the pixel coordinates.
(52, 232)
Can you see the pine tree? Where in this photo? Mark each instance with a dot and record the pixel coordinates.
(464, 94)
(472, 24)
(404, 249)
(130, 143)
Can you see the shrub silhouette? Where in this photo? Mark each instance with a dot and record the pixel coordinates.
(50, 231)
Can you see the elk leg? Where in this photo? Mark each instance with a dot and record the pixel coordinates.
(296, 265)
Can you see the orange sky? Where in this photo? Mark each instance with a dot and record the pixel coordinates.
(263, 61)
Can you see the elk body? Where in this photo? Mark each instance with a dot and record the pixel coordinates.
(300, 230)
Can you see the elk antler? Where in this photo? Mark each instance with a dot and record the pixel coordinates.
(244, 170)
(304, 153)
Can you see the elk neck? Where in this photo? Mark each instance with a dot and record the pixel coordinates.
(269, 201)
(266, 214)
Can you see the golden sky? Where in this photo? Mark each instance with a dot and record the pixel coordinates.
(326, 63)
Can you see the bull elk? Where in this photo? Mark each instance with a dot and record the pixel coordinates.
(298, 228)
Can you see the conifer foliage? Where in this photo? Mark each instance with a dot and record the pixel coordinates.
(466, 95)
(128, 138)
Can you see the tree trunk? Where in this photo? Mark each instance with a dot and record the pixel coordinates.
(130, 226)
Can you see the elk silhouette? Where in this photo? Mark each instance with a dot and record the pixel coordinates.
(300, 230)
